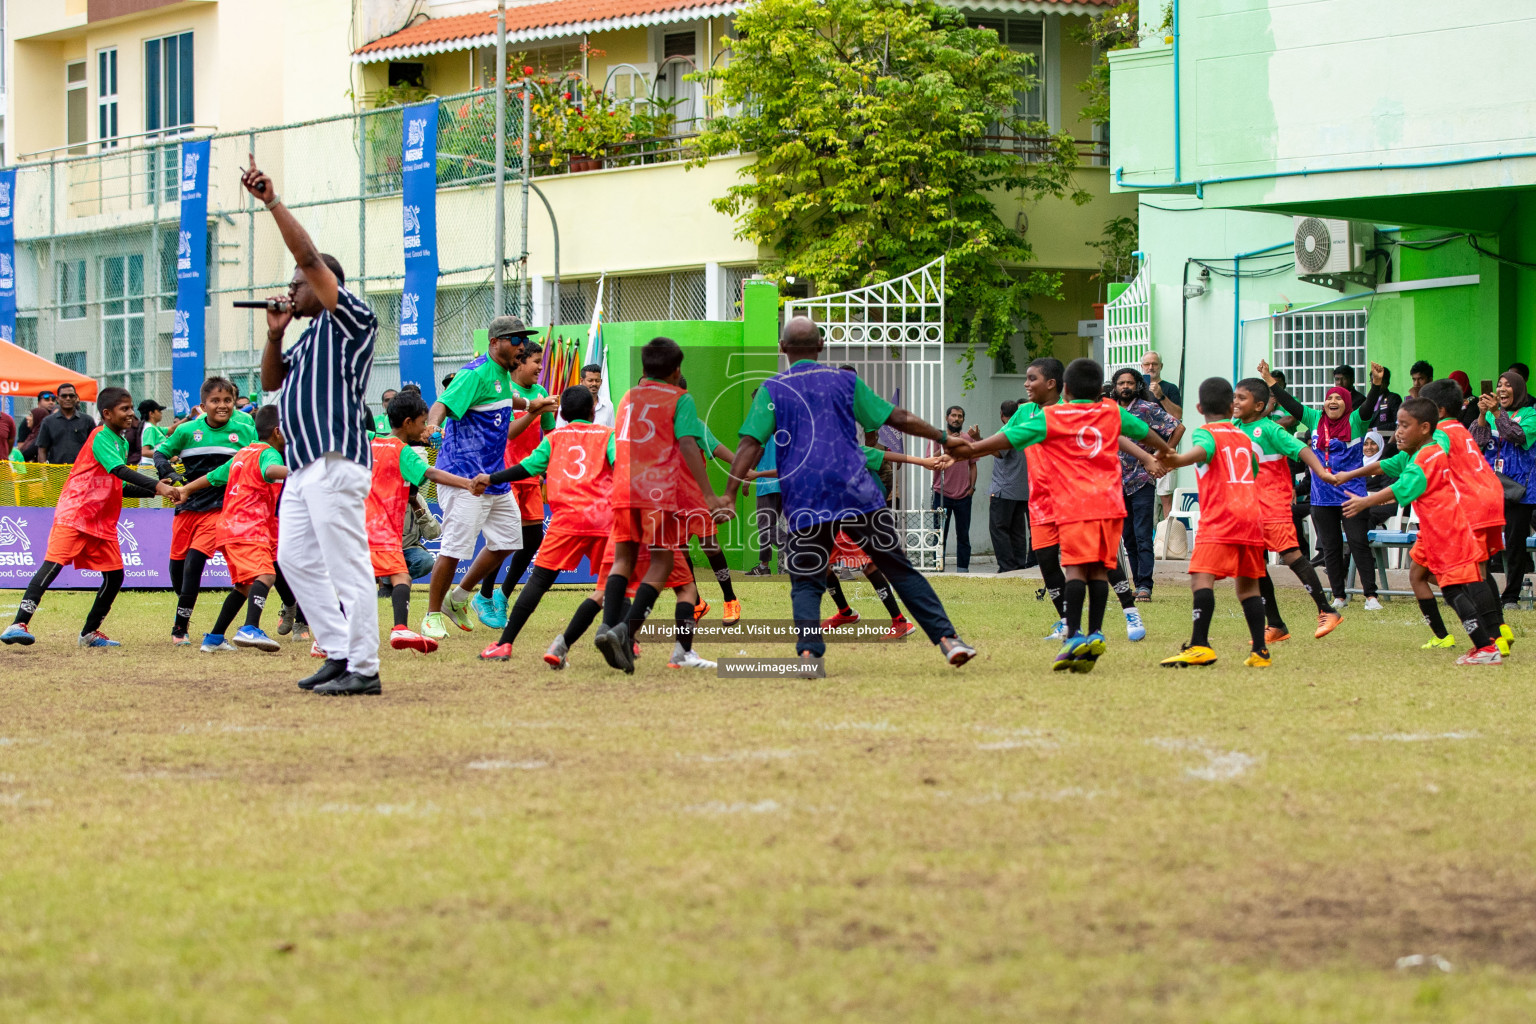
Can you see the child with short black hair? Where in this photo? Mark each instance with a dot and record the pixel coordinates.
(84, 532)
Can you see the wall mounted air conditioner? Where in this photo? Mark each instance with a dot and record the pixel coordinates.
(1330, 247)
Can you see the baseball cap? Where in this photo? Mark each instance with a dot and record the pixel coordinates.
(509, 327)
(148, 406)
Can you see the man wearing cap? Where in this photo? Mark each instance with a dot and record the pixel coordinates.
(477, 408)
(322, 540)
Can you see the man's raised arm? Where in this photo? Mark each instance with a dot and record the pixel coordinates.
(319, 276)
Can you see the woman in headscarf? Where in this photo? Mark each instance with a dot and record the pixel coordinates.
(1506, 430)
(1469, 409)
(1336, 434)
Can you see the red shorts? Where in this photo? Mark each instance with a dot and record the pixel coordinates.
(652, 528)
(1225, 560)
(1446, 575)
(1043, 535)
(387, 561)
(530, 502)
(680, 576)
(68, 546)
(197, 531)
(564, 551)
(1491, 538)
(1278, 536)
(1091, 541)
(247, 560)
(846, 552)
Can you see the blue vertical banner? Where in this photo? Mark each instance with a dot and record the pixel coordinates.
(187, 335)
(8, 257)
(418, 299)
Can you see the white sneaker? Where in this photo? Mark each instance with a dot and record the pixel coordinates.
(1135, 629)
(1059, 632)
(1372, 605)
(1339, 603)
(687, 659)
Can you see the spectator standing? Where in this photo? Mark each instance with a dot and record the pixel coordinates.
(1380, 410)
(26, 430)
(7, 434)
(602, 409)
(1344, 377)
(1166, 394)
(1008, 511)
(952, 491)
(1130, 392)
(63, 434)
(381, 421)
(150, 436)
(1420, 373)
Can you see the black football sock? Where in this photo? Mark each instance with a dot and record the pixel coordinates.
(284, 593)
(585, 613)
(683, 634)
(613, 600)
(111, 583)
(883, 590)
(191, 586)
(233, 602)
(178, 568)
(400, 600)
(1053, 578)
(488, 585)
(256, 603)
(1306, 572)
(640, 608)
(836, 587)
(532, 593)
(1466, 606)
(722, 570)
(522, 558)
(1431, 611)
(1271, 606)
(298, 615)
(1098, 600)
(1072, 599)
(1495, 614)
(1205, 607)
(1488, 606)
(41, 581)
(1123, 589)
(1253, 611)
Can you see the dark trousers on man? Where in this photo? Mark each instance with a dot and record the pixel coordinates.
(957, 510)
(808, 553)
(1008, 522)
(1140, 523)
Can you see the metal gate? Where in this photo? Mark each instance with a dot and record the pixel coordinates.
(892, 333)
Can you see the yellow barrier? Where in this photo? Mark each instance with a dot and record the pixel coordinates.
(37, 485)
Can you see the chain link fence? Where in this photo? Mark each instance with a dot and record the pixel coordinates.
(96, 240)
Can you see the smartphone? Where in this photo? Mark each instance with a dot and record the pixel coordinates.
(1146, 379)
(1487, 386)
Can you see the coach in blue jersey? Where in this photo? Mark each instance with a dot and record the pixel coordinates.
(322, 541)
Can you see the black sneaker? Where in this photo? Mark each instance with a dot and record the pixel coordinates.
(614, 645)
(760, 569)
(332, 669)
(351, 685)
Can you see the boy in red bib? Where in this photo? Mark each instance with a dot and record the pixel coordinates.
(658, 441)
(84, 530)
(1078, 447)
(1230, 541)
(247, 532)
(397, 467)
(1446, 548)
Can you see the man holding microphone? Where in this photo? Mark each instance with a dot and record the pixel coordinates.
(322, 534)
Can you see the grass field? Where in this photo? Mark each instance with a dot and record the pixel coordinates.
(190, 838)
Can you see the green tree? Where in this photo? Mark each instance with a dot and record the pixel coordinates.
(867, 119)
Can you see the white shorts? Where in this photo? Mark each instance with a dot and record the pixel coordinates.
(466, 517)
(1165, 483)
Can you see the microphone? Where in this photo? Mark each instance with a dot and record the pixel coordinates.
(270, 305)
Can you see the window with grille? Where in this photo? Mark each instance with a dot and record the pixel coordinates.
(674, 296)
(168, 106)
(106, 97)
(71, 361)
(1307, 347)
(678, 44)
(735, 279)
(122, 321)
(71, 295)
(1027, 35)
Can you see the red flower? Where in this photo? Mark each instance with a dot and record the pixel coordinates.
(567, 95)
(527, 70)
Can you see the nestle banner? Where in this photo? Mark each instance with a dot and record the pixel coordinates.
(187, 334)
(8, 258)
(143, 534)
(418, 299)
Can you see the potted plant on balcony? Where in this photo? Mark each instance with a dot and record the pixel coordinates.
(576, 124)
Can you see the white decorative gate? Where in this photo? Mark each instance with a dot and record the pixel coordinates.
(1128, 325)
(892, 333)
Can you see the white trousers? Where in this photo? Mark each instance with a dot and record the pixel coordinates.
(322, 546)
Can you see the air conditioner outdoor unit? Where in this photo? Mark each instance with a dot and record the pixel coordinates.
(1329, 247)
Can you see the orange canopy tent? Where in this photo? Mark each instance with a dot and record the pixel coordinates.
(23, 374)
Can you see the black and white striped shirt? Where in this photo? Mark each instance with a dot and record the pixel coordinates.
(321, 407)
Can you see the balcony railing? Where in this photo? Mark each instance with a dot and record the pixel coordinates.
(117, 175)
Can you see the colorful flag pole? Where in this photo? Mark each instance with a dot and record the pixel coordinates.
(596, 351)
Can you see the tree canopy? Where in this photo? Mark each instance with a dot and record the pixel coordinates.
(868, 120)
